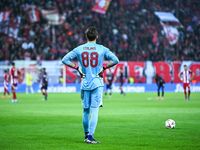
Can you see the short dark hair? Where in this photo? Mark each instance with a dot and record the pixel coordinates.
(91, 33)
(5, 71)
(44, 69)
(13, 64)
(185, 66)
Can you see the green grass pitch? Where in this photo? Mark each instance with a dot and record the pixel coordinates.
(135, 121)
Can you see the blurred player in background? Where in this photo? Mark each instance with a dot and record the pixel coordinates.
(14, 76)
(44, 83)
(29, 79)
(6, 83)
(185, 76)
(91, 56)
(110, 78)
(161, 84)
(121, 81)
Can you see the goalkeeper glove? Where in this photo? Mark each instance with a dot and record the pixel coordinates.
(80, 71)
(100, 74)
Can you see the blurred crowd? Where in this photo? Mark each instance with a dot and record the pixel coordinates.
(126, 30)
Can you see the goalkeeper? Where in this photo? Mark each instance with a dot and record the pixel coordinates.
(29, 79)
(90, 56)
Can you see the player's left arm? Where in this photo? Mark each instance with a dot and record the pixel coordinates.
(114, 60)
(67, 61)
(157, 80)
(192, 76)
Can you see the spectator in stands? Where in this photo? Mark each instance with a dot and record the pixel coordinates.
(127, 30)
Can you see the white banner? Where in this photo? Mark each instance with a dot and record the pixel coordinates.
(53, 17)
(14, 27)
(171, 33)
(166, 16)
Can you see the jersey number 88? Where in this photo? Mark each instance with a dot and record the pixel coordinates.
(93, 59)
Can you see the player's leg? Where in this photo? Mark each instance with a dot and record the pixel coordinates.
(14, 100)
(121, 89)
(86, 118)
(85, 96)
(110, 88)
(13, 91)
(93, 123)
(184, 87)
(96, 98)
(8, 93)
(162, 92)
(188, 91)
(31, 88)
(4, 93)
(45, 96)
(158, 92)
(27, 89)
(106, 90)
(42, 90)
(6, 89)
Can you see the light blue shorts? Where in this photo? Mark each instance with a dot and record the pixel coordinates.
(92, 98)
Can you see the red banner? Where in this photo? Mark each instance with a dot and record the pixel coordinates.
(144, 72)
(101, 6)
(33, 13)
(4, 15)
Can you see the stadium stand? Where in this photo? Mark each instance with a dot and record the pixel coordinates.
(127, 30)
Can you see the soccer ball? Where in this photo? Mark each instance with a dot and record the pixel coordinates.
(170, 124)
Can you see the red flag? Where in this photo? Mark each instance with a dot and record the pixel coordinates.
(155, 37)
(4, 15)
(101, 6)
(32, 13)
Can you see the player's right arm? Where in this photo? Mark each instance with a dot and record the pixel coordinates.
(179, 75)
(114, 60)
(10, 73)
(109, 55)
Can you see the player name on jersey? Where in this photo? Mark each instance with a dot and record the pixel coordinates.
(89, 48)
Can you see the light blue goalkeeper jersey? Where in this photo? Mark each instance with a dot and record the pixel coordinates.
(91, 56)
